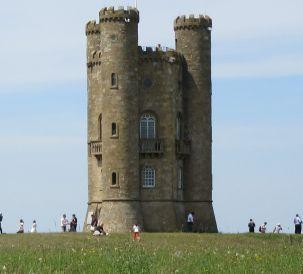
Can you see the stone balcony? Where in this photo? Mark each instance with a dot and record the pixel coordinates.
(182, 147)
(95, 148)
(151, 147)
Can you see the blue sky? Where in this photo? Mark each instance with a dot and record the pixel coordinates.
(257, 106)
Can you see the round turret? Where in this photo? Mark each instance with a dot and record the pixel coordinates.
(192, 22)
(119, 107)
(193, 41)
(120, 15)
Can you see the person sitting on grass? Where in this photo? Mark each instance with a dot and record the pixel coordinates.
(136, 232)
(94, 223)
(277, 229)
(21, 226)
(34, 227)
(100, 230)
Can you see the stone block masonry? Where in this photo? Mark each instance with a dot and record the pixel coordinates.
(149, 125)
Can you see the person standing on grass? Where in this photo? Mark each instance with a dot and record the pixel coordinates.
(1, 218)
(251, 226)
(64, 223)
(73, 223)
(34, 227)
(190, 221)
(262, 228)
(136, 232)
(21, 226)
(298, 224)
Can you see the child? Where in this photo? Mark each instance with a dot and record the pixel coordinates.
(136, 232)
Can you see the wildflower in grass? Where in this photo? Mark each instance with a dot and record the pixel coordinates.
(40, 260)
(73, 250)
(4, 267)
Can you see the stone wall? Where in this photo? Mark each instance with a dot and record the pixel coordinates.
(169, 84)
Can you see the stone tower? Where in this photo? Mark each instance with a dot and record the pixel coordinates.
(193, 41)
(149, 125)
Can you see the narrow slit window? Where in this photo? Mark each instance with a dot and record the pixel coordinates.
(114, 80)
(114, 129)
(180, 178)
(100, 127)
(114, 179)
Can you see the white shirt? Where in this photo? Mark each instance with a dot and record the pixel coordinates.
(278, 229)
(34, 228)
(297, 220)
(64, 221)
(136, 228)
(190, 218)
(21, 228)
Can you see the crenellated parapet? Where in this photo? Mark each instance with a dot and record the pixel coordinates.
(192, 22)
(159, 54)
(94, 59)
(92, 28)
(119, 15)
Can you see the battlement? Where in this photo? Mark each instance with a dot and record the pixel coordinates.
(192, 22)
(159, 54)
(119, 15)
(92, 28)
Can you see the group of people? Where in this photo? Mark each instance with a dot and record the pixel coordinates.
(263, 227)
(21, 227)
(277, 228)
(97, 228)
(64, 223)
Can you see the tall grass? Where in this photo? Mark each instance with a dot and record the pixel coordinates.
(156, 253)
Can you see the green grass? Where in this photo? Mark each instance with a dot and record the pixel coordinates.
(156, 253)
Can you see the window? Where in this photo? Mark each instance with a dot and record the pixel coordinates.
(148, 177)
(147, 127)
(114, 129)
(114, 80)
(178, 126)
(100, 127)
(180, 178)
(114, 179)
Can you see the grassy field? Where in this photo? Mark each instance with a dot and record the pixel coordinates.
(156, 253)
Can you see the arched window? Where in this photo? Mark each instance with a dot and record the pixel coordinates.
(114, 80)
(148, 177)
(100, 127)
(148, 127)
